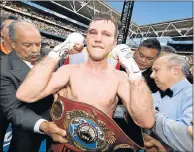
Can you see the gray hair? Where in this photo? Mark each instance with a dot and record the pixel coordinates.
(167, 48)
(13, 27)
(175, 59)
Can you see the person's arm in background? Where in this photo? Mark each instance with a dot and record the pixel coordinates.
(153, 145)
(190, 129)
(174, 132)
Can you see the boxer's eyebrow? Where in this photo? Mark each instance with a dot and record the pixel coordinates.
(90, 30)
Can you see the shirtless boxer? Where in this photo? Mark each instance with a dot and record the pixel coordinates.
(94, 82)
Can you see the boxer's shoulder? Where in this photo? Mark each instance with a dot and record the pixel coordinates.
(121, 74)
(68, 68)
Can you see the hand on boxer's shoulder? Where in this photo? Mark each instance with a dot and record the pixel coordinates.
(70, 43)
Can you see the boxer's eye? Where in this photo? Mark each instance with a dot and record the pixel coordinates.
(92, 32)
(106, 34)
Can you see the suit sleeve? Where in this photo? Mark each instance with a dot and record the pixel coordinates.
(15, 111)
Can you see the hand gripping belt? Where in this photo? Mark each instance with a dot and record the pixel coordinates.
(88, 129)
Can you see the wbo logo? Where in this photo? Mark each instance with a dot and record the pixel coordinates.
(7, 138)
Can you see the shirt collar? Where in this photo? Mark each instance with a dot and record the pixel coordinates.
(143, 70)
(180, 85)
(28, 63)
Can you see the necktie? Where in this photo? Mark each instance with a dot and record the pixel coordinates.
(167, 92)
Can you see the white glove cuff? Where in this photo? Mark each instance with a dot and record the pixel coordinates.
(53, 55)
(135, 76)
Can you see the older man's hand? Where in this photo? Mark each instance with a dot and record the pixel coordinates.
(52, 130)
(153, 145)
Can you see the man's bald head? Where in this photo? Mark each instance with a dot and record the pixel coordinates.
(20, 26)
(168, 70)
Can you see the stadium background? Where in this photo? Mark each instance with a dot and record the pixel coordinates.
(56, 19)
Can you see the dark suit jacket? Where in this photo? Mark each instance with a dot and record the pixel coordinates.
(3, 122)
(2, 55)
(150, 82)
(22, 116)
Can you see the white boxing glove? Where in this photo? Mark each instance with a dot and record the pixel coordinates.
(63, 49)
(123, 53)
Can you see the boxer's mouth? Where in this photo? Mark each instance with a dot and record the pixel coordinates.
(98, 47)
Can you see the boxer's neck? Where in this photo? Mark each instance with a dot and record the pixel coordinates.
(97, 66)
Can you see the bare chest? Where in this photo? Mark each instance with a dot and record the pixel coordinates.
(97, 90)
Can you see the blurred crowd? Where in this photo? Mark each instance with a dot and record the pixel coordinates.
(41, 24)
(34, 12)
(190, 57)
(50, 41)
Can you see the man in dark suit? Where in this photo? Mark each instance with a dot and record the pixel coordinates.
(145, 56)
(30, 122)
(5, 49)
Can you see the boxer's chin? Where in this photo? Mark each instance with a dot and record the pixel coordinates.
(97, 57)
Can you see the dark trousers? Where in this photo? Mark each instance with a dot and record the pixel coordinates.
(27, 142)
(3, 127)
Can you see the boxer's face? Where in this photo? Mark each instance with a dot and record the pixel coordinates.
(100, 39)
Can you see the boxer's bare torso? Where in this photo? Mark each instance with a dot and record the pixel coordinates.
(98, 89)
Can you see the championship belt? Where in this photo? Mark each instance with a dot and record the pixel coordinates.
(88, 129)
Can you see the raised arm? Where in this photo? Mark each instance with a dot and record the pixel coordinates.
(137, 98)
(133, 90)
(41, 81)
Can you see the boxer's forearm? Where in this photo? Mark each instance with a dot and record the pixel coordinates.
(141, 103)
(37, 79)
